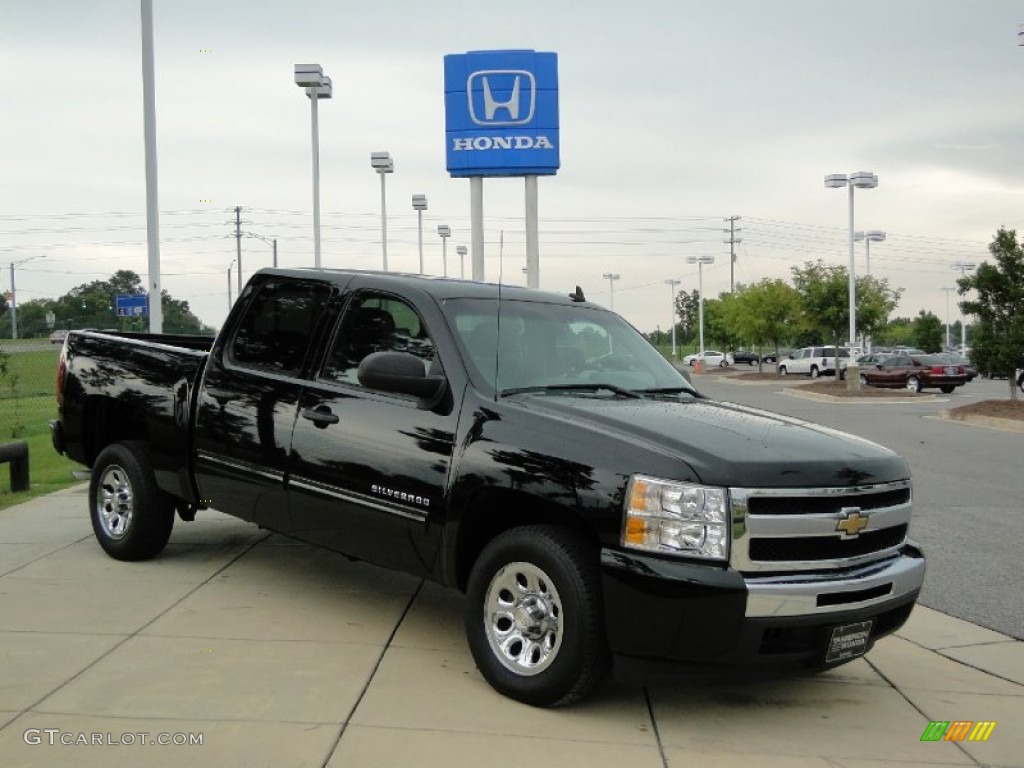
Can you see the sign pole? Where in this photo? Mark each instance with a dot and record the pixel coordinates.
(476, 215)
(532, 234)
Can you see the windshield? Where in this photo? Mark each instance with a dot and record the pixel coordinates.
(557, 347)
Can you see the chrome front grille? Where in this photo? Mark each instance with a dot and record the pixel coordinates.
(781, 530)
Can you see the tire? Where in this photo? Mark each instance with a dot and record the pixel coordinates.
(750, 363)
(947, 388)
(842, 374)
(131, 517)
(782, 370)
(864, 380)
(723, 364)
(913, 384)
(815, 373)
(1020, 382)
(561, 656)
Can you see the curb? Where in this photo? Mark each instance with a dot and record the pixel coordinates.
(992, 422)
(864, 400)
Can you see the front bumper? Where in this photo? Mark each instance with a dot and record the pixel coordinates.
(687, 612)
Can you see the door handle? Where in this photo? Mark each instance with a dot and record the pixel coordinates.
(321, 416)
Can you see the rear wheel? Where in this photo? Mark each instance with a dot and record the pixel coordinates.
(815, 373)
(131, 517)
(782, 370)
(533, 616)
(947, 388)
(913, 384)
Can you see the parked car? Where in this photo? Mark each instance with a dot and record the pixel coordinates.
(915, 372)
(864, 361)
(814, 361)
(741, 356)
(1020, 379)
(553, 466)
(956, 359)
(772, 357)
(58, 336)
(709, 358)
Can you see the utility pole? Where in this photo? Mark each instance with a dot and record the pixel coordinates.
(275, 253)
(731, 231)
(238, 244)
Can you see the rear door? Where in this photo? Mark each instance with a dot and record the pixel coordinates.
(891, 372)
(369, 469)
(249, 398)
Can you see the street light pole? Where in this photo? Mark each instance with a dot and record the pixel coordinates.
(382, 163)
(864, 180)
(318, 86)
(700, 261)
(611, 277)
(672, 290)
(462, 250)
(445, 232)
(948, 290)
(964, 267)
(14, 294)
(419, 204)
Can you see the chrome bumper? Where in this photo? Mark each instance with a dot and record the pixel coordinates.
(818, 594)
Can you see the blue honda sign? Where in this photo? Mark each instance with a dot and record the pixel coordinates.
(131, 304)
(501, 113)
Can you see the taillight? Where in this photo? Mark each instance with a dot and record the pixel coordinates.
(938, 370)
(62, 368)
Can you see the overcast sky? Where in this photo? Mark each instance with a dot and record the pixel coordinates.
(674, 115)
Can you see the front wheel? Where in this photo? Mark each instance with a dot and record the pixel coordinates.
(863, 380)
(1020, 382)
(913, 384)
(533, 616)
(782, 370)
(131, 517)
(723, 364)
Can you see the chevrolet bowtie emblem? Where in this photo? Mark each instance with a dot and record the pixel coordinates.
(853, 522)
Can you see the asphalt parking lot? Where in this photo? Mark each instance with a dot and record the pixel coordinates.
(272, 653)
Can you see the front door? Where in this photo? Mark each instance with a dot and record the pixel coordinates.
(369, 470)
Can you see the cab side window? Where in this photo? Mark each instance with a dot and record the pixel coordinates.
(278, 326)
(376, 323)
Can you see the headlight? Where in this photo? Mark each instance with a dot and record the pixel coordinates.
(676, 518)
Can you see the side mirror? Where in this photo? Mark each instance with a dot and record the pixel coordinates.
(402, 374)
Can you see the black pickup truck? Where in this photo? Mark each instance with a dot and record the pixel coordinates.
(530, 449)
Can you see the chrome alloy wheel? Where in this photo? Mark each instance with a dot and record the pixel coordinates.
(523, 619)
(115, 502)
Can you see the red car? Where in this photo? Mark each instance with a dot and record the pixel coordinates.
(916, 372)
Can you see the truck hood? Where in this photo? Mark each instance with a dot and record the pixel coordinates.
(727, 444)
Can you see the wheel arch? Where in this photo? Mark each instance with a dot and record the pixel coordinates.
(493, 511)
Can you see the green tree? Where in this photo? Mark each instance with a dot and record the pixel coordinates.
(686, 312)
(92, 305)
(897, 332)
(997, 339)
(825, 300)
(928, 332)
(765, 313)
(718, 331)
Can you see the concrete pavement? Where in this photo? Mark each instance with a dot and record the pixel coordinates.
(278, 654)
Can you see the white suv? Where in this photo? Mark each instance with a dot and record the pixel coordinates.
(815, 361)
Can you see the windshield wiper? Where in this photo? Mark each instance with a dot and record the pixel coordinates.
(573, 388)
(669, 391)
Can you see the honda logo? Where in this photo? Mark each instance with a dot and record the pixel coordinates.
(514, 106)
